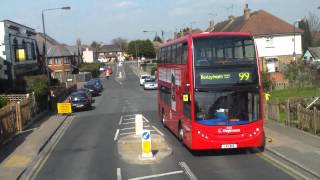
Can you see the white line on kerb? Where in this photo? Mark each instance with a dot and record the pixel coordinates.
(116, 135)
(187, 170)
(157, 175)
(120, 120)
(158, 130)
(119, 174)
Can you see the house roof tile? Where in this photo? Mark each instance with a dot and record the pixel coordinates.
(58, 51)
(259, 23)
(315, 52)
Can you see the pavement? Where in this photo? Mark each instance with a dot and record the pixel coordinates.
(296, 146)
(17, 154)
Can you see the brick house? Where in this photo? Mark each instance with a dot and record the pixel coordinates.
(276, 39)
(60, 62)
(108, 53)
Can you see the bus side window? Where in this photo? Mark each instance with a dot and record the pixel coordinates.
(169, 57)
(179, 54)
(165, 58)
(185, 53)
(173, 53)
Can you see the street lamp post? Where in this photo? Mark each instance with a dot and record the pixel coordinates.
(294, 40)
(45, 39)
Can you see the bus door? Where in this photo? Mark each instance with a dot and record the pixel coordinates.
(186, 110)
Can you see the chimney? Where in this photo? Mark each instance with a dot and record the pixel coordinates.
(231, 18)
(211, 24)
(246, 12)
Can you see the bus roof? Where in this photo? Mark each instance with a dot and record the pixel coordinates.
(204, 34)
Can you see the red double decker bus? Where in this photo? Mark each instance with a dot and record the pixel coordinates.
(209, 91)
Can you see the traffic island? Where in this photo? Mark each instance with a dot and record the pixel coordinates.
(130, 149)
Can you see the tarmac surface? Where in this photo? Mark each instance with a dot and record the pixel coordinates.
(87, 147)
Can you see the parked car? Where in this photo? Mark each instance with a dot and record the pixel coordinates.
(92, 88)
(88, 92)
(80, 100)
(150, 83)
(97, 82)
(142, 78)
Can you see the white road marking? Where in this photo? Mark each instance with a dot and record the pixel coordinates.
(119, 174)
(145, 118)
(129, 115)
(116, 135)
(120, 120)
(126, 128)
(129, 119)
(158, 130)
(128, 123)
(121, 134)
(128, 133)
(157, 175)
(187, 170)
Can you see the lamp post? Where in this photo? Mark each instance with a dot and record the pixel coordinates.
(45, 38)
(294, 40)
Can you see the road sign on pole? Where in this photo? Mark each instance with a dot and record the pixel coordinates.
(146, 144)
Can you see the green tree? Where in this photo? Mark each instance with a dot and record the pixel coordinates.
(141, 48)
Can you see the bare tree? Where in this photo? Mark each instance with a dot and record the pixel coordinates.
(121, 43)
(311, 27)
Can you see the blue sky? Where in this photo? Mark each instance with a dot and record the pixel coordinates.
(104, 20)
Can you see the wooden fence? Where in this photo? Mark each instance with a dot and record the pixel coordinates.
(293, 115)
(15, 116)
(8, 124)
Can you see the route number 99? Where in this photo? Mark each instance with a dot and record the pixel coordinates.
(244, 76)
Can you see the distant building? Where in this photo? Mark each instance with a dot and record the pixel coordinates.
(49, 43)
(88, 55)
(275, 38)
(60, 61)
(108, 53)
(18, 53)
(312, 54)
(63, 60)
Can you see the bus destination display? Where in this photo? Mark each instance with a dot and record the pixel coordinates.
(209, 78)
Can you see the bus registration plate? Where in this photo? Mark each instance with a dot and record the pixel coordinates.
(228, 146)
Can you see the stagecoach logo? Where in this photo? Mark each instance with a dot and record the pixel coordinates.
(228, 130)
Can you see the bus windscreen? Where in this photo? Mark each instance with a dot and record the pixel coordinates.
(224, 50)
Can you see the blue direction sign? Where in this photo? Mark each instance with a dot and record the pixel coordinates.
(146, 135)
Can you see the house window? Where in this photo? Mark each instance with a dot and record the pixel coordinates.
(51, 61)
(58, 61)
(66, 60)
(269, 42)
(29, 51)
(272, 65)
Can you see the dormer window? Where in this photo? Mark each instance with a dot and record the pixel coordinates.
(269, 42)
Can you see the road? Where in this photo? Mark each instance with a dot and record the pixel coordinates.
(87, 150)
